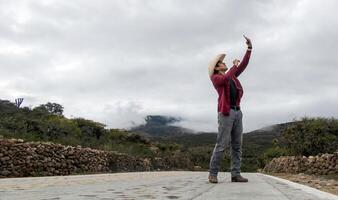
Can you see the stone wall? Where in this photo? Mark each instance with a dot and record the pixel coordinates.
(20, 159)
(320, 165)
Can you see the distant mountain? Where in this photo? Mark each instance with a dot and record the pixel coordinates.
(261, 138)
(200, 144)
(160, 126)
(273, 129)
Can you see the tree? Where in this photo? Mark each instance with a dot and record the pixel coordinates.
(7, 107)
(90, 128)
(51, 108)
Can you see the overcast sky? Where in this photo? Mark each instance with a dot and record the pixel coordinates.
(117, 61)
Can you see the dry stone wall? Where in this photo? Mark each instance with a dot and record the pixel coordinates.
(323, 164)
(20, 159)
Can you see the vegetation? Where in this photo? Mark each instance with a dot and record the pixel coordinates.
(47, 123)
(304, 137)
(309, 136)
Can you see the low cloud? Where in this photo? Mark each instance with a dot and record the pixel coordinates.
(119, 61)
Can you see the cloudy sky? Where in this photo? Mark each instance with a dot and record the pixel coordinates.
(117, 61)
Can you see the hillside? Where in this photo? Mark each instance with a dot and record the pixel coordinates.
(45, 123)
(159, 127)
(201, 144)
(157, 138)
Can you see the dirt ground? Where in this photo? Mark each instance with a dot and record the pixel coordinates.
(327, 183)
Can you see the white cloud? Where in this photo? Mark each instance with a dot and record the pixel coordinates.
(118, 61)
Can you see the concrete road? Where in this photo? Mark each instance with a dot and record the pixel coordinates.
(156, 185)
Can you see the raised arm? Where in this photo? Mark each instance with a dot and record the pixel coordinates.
(241, 67)
(246, 58)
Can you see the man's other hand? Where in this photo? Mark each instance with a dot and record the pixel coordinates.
(236, 62)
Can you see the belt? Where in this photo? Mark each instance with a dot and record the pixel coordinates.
(235, 107)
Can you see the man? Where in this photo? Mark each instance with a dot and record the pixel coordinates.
(230, 126)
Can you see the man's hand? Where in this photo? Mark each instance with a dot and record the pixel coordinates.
(236, 62)
(248, 42)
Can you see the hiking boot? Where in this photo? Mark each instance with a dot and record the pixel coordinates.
(213, 179)
(239, 178)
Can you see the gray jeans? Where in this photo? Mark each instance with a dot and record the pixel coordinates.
(230, 129)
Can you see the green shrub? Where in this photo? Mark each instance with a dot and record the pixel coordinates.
(311, 136)
(271, 153)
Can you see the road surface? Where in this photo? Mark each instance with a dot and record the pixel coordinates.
(156, 185)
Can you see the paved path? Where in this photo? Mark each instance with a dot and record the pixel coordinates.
(156, 185)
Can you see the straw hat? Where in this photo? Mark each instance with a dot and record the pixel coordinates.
(213, 63)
